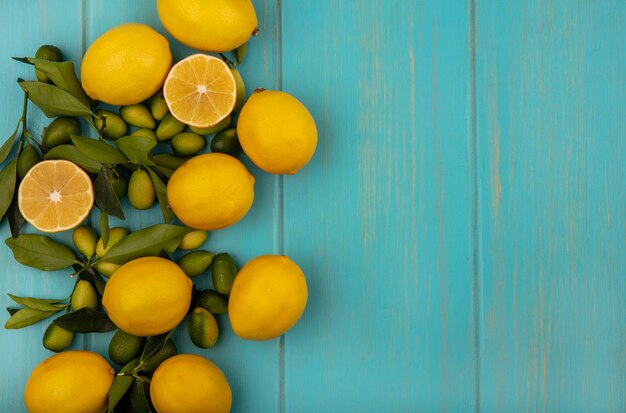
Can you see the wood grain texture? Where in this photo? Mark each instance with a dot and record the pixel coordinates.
(380, 220)
(551, 150)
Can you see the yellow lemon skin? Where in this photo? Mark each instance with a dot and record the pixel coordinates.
(277, 132)
(147, 296)
(72, 381)
(212, 26)
(211, 191)
(126, 65)
(188, 383)
(268, 297)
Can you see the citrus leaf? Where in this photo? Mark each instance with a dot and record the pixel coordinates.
(14, 215)
(104, 228)
(72, 154)
(154, 345)
(137, 149)
(8, 178)
(147, 242)
(12, 311)
(161, 193)
(62, 74)
(105, 196)
(38, 303)
(26, 317)
(53, 100)
(240, 52)
(98, 151)
(140, 395)
(6, 147)
(121, 385)
(85, 320)
(88, 274)
(39, 251)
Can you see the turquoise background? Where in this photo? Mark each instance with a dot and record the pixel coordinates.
(462, 225)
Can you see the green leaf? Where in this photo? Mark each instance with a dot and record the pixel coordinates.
(53, 100)
(98, 151)
(240, 52)
(39, 251)
(62, 74)
(154, 345)
(14, 215)
(12, 311)
(121, 385)
(147, 242)
(26, 317)
(85, 320)
(104, 228)
(137, 149)
(6, 147)
(38, 303)
(105, 196)
(161, 192)
(88, 274)
(72, 154)
(8, 179)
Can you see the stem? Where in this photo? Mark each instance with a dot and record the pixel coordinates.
(24, 111)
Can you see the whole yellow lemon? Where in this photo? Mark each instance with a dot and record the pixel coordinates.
(209, 25)
(126, 65)
(211, 191)
(277, 132)
(147, 296)
(72, 381)
(190, 383)
(268, 297)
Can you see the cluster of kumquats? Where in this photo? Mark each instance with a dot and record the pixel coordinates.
(146, 123)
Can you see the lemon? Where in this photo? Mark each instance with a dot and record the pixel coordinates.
(47, 52)
(72, 381)
(212, 26)
(56, 338)
(277, 132)
(84, 296)
(147, 296)
(193, 240)
(55, 196)
(202, 328)
(268, 297)
(190, 383)
(58, 132)
(200, 90)
(124, 347)
(211, 191)
(85, 239)
(126, 65)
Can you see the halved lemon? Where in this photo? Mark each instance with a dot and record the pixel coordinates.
(55, 196)
(200, 90)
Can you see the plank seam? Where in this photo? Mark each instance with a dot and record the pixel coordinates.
(280, 205)
(475, 253)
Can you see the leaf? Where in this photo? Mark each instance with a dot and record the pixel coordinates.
(12, 311)
(14, 215)
(8, 178)
(88, 274)
(6, 147)
(240, 52)
(62, 74)
(161, 193)
(26, 317)
(137, 149)
(72, 154)
(40, 251)
(121, 385)
(147, 242)
(53, 100)
(85, 320)
(106, 199)
(104, 228)
(38, 303)
(98, 151)
(154, 345)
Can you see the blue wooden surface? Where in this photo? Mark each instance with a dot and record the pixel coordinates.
(462, 224)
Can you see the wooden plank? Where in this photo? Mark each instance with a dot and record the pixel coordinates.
(251, 368)
(380, 220)
(26, 26)
(553, 207)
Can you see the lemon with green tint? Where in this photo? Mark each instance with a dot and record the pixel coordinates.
(47, 52)
(57, 338)
(213, 301)
(114, 125)
(107, 268)
(223, 273)
(169, 127)
(116, 234)
(226, 142)
(196, 262)
(138, 115)
(187, 143)
(85, 240)
(59, 131)
(148, 133)
(202, 328)
(210, 130)
(84, 296)
(158, 107)
(141, 194)
(193, 240)
(125, 347)
(241, 89)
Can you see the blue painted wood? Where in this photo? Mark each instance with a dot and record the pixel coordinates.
(551, 150)
(380, 220)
